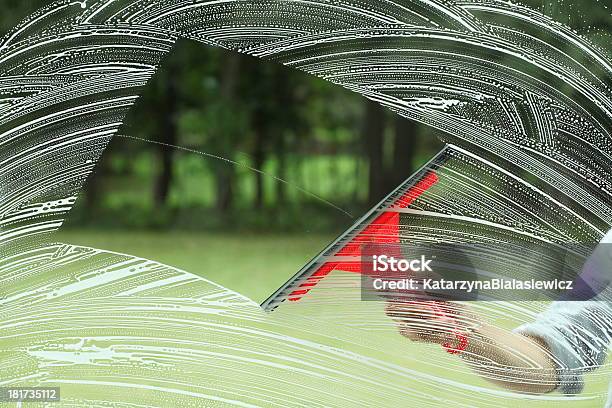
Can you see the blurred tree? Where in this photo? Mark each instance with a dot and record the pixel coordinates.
(404, 151)
(263, 117)
(372, 134)
(167, 134)
(228, 97)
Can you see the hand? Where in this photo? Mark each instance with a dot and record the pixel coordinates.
(505, 358)
(430, 321)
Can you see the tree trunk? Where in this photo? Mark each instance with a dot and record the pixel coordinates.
(225, 171)
(225, 187)
(373, 132)
(286, 104)
(281, 190)
(92, 188)
(404, 148)
(168, 135)
(258, 162)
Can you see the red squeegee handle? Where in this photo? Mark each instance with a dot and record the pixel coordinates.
(384, 229)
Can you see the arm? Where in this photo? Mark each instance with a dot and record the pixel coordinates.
(567, 340)
(578, 335)
(553, 352)
(512, 360)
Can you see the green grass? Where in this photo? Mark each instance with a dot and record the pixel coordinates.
(251, 264)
